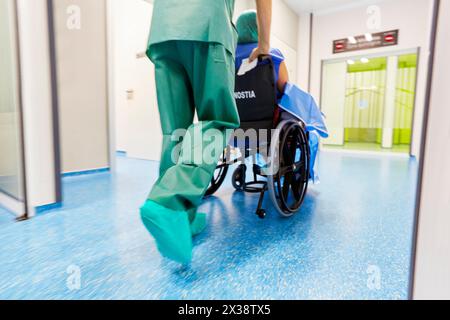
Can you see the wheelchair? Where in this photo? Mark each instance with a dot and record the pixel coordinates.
(285, 173)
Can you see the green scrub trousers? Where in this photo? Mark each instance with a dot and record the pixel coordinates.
(192, 76)
(192, 45)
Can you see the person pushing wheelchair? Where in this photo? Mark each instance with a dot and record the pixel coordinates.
(192, 44)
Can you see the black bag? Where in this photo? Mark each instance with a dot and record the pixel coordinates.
(256, 96)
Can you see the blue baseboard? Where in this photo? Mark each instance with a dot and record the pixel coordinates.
(82, 173)
(121, 153)
(47, 207)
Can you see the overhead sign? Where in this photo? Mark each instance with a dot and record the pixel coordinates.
(367, 41)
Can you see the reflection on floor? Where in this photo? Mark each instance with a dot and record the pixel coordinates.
(351, 240)
(400, 148)
(5, 218)
(10, 186)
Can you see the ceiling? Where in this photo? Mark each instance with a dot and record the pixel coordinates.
(324, 6)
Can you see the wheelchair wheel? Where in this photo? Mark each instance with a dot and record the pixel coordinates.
(290, 167)
(239, 177)
(219, 177)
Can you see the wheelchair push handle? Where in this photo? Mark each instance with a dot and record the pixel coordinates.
(263, 57)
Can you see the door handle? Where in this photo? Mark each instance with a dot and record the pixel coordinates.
(141, 55)
(130, 94)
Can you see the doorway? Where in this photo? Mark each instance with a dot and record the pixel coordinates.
(136, 127)
(369, 102)
(12, 168)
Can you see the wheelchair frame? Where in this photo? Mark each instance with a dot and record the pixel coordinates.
(288, 186)
(288, 177)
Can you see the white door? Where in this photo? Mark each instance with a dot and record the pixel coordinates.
(333, 100)
(138, 131)
(290, 55)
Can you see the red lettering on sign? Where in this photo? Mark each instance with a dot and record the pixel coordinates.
(389, 38)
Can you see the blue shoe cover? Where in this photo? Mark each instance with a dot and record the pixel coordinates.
(170, 229)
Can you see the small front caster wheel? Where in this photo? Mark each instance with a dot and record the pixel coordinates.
(261, 213)
(238, 179)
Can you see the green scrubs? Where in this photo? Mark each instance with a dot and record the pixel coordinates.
(192, 44)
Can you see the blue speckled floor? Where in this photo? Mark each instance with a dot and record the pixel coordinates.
(359, 216)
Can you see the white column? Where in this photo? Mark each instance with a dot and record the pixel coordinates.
(37, 102)
(389, 103)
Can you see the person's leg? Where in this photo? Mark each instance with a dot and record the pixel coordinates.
(175, 100)
(170, 228)
(211, 71)
(176, 108)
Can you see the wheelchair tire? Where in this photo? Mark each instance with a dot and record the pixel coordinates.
(288, 177)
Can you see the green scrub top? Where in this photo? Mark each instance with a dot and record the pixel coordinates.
(194, 20)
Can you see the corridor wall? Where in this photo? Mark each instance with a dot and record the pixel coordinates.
(81, 58)
(415, 28)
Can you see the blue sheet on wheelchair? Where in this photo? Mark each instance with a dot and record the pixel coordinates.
(301, 105)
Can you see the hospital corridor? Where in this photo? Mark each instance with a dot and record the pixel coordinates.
(224, 150)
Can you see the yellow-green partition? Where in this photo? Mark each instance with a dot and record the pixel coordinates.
(405, 99)
(364, 103)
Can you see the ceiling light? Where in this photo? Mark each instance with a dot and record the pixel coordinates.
(352, 40)
(369, 37)
(350, 62)
(365, 60)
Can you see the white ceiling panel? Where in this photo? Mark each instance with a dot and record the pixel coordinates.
(326, 6)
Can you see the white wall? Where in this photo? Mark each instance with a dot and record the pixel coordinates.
(285, 28)
(137, 125)
(432, 276)
(37, 102)
(82, 85)
(412, 17)
(303, 50)
(285, 35)
(242, 5)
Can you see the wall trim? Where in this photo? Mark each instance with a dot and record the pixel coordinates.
(356, 54)
(110, 82)
(55, 101)
(85, 172)
(45, 208)
(25, 214)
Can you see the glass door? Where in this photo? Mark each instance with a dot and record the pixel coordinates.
(369, 102)
(364, 103)
(11, 159)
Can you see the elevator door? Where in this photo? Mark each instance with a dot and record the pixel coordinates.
(364, 102)
(369, 102)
